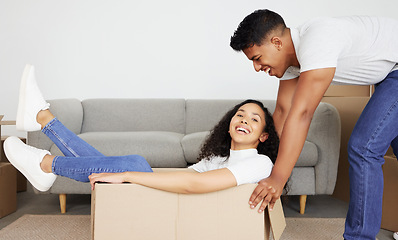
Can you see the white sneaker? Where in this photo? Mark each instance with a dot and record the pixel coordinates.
(31, 101)
(27, 160)
(395, 235)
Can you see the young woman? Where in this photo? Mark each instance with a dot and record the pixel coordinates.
(240, 149)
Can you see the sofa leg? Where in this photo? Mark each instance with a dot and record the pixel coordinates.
(303, 200)
(62, 202)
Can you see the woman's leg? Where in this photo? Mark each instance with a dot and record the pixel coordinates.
(33, 115)
(79, 168)
(68, 142)
(374, 132)
(40, 168)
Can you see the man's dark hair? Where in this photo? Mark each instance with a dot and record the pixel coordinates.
(254, 29)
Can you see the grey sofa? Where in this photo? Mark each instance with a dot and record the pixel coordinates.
(169, 133)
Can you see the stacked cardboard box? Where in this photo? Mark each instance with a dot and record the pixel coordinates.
(21, 180)
(8, 189)
(390, 195)
(349, 102)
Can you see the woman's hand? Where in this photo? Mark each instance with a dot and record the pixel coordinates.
(268, 190)
(106, 177)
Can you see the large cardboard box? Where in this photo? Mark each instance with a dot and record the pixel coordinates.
(130, 211)
(21, 180)
(348, 91)
(349, 108)
(8, 189)
(349, 102)
(390, 194)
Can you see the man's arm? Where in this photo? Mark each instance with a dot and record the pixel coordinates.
(283, 103)
(309, 91)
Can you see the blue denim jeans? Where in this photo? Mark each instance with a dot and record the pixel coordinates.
(81, 159)
(375, 131)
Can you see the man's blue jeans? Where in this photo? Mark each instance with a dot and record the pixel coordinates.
(81, 159)
(375, 131)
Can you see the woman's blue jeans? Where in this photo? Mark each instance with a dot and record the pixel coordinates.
(375, 131)
(81, 159)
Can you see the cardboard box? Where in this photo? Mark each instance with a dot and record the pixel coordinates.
(349, 108)
(21, 180)
(390, 194)
(348, 91)
(8, 189)
(130, 211)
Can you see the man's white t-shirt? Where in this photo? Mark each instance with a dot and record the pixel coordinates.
(364, 50)
(247, 166)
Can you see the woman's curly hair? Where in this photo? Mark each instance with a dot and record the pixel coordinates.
(218, 143)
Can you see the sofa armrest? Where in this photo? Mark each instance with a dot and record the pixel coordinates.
(69, 112)
(324, 132)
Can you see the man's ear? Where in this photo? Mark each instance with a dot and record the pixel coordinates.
(277, 42)
(263, 137)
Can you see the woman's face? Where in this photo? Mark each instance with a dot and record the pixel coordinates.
(247, 127)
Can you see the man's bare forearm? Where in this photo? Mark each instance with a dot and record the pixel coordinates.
(291, 144)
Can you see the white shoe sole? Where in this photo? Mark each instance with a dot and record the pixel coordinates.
(20, 121)
(20, 168)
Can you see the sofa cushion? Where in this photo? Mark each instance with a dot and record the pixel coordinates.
(160, 149)
(191, 144)
(301, 181)
(308, 156)
(133, 115)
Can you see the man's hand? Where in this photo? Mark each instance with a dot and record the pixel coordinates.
(268, 191)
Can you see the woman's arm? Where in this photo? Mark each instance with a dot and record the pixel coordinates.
(178, 182)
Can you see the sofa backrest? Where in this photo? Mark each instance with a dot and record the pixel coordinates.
(203, 115)
(119, 115)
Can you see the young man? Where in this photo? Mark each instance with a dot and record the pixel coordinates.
(347, 50)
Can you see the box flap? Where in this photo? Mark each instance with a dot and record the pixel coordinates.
(277, 220)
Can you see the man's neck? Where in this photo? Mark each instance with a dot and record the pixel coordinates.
(290, 50)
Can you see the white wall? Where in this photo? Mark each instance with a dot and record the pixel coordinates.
(143, 49)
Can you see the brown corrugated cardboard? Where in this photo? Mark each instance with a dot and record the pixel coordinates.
(390, 195)
(349, 108)
(348, 91)
(8, 189)
(130, 211)
(21, 180)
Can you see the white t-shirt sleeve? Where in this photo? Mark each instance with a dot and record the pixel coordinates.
(208, 165)
(199, 166)
(319, 46)
(251, 170)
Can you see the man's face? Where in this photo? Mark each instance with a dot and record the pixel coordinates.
(268, 57)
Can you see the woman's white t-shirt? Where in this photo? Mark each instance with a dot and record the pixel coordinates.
(364, 50)
(247, 166)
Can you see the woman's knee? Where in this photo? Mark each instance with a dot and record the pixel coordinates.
(138, 163)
